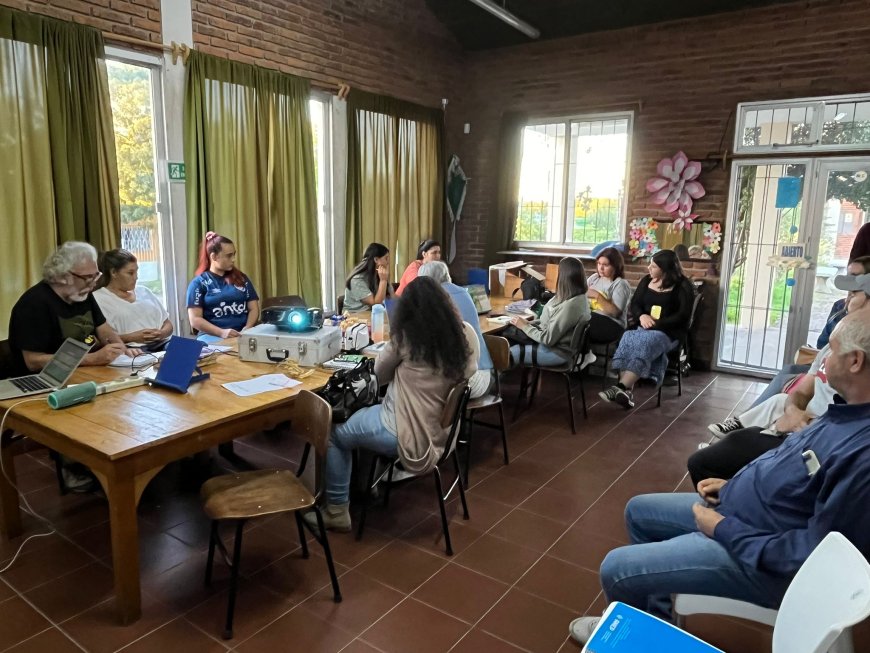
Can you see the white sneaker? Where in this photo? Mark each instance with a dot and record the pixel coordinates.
(588, 359)
(722, 429)
(581, 629)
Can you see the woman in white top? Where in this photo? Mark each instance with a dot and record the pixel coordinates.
(608, 295)
(133, 311)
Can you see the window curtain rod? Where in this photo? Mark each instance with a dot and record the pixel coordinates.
(178, 50)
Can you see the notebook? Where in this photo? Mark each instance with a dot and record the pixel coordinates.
(624, 629)
(177, 368)
(53, 376)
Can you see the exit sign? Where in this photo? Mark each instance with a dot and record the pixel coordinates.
(176, 171)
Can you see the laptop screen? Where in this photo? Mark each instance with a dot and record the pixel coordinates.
(65, 361)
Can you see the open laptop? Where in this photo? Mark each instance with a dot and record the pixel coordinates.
(53, 376)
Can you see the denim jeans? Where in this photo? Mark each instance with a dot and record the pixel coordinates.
(546, 357)
(668, 555)
(364, 429)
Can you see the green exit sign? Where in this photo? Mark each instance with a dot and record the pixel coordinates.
(176, 171)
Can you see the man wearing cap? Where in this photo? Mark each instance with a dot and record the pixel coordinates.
(763, 427)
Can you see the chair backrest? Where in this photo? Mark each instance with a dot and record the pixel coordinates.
(5, 359)
(579, 340)
(451, 415)
(499, 350)
(311, 420)
(830, 593)
(339, 304)
(283, 300)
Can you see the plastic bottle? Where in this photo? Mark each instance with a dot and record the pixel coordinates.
(378, 316)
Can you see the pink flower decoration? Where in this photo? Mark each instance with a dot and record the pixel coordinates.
(675, 187)
(684, 224)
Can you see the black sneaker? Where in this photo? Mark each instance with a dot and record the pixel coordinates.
(625, 398)
(610, 393)
(722, 429)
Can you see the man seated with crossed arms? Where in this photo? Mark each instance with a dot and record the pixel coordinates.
(62, 306)
(746, 538)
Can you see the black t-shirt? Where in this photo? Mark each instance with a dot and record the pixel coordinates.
(41, 321)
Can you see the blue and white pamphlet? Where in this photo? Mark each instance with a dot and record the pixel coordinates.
(624, 629)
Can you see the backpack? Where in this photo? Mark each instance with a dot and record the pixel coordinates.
(349, 390)
(532, 288)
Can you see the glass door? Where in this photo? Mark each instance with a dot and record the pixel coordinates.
(766, 207)
(839, 208)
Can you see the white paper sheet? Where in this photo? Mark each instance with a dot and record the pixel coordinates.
(260, 384)
(145, 359)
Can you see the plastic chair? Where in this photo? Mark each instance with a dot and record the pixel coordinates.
(829, 594)
(451, 416)
(578, 345)
(678, 357)
(243, 496)
(499, 351)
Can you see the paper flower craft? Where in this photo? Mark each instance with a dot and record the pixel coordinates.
(712, 237)
(642, 237)
(675, 186)
(684, 224)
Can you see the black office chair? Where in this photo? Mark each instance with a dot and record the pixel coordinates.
(678, 358)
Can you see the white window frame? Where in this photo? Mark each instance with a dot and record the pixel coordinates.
(817, 104)
(563, 223)
(326, 226)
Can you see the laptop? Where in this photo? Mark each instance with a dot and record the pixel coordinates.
(53, 376)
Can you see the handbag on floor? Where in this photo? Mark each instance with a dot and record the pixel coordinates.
(349, 390)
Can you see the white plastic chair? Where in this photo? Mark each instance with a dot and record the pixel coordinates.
(829, 594)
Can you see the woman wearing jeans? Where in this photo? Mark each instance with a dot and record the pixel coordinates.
(430, 351)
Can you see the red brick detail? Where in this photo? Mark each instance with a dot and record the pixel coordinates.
(137, 18)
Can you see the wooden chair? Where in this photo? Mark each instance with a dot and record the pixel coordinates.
(572, 365)
(283, 300)
(339, 304)
(451, 416)
(246, 495)
(499, 351)
(678, 358)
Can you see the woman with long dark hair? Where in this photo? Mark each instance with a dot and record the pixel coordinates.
(221, 300)
(662, 307)
(427, 251)
(130, 309)
(369, 282)
(608, 295)
(553, 330)
(430, 350)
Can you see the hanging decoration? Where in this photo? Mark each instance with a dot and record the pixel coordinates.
(642, 240)
(712, 241)
(792, 256)
(675, 186)
(683, 224)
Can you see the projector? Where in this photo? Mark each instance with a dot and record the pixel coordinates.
(293, 319)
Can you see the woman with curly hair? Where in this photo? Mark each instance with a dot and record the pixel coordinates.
(430, 350)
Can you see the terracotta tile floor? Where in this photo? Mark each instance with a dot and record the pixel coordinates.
(524, 565)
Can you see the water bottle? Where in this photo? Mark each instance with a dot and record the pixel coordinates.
(378, 316)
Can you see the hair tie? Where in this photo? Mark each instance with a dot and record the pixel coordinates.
(210, 235)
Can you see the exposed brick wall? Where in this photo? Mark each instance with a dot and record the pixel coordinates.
(137, 18)
(394, 47)
(688, 77)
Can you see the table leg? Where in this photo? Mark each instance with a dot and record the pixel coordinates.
(121, 493)
(11, 524)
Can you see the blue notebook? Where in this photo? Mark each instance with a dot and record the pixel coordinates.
(179, 364)
(624, 629)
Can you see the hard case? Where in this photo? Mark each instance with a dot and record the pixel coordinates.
(266, 344)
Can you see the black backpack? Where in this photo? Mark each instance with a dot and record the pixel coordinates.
(532, 288)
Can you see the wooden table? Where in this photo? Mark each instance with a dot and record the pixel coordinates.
(127, 437)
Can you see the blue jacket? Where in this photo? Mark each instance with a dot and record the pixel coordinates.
(838, 312)
(776, 513)
(465, 304)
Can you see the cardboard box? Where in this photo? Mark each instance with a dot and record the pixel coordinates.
(551, 276)
(505, 278)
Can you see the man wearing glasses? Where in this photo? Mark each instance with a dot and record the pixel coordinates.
(62, 306)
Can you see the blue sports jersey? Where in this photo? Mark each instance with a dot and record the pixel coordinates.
(222, 304)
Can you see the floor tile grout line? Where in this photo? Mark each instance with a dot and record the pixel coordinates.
(206, 633)
(541, 557)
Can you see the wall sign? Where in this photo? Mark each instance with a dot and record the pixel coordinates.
(177, 171)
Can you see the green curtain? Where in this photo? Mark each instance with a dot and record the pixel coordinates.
(251, 172)
(501, 225)
(395, 176)
(57, 141)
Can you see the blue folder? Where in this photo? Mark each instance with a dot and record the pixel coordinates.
(177, 368)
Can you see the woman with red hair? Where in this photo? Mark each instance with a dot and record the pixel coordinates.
(221, 300)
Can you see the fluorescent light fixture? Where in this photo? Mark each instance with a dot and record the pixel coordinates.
(503, 14)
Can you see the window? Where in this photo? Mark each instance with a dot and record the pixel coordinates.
(134, 88)
(319, 107)
(821, 124)
(573, 180)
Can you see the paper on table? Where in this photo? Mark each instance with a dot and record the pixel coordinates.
(142, 360)
(260, 384)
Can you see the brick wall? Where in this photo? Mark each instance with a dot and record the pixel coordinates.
(688, 76)
(394, 47)
(137, 18)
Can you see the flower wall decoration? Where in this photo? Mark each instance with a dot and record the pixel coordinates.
(712, 237)
(642, 240)
(684, 224)
(675, 186)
